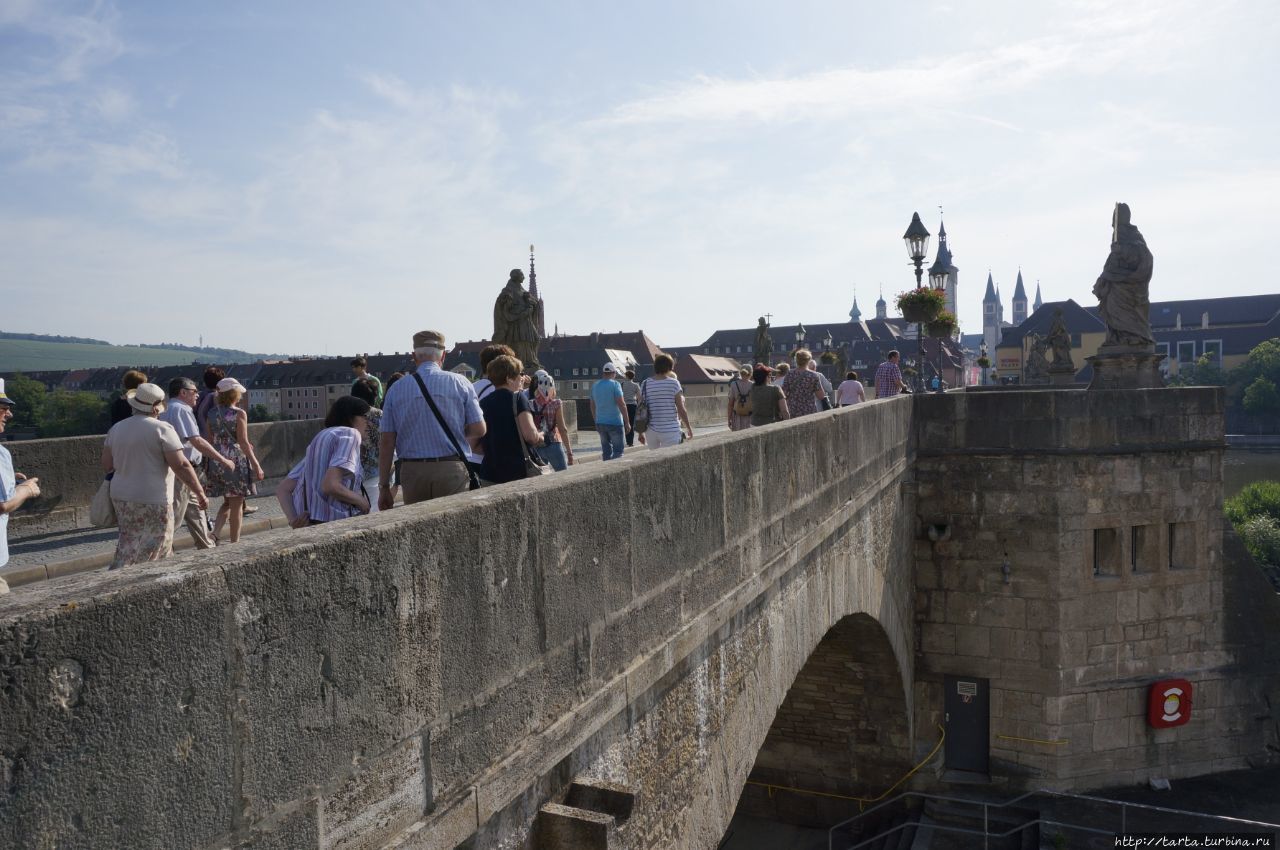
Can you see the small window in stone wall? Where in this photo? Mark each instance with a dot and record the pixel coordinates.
(1106, 552)
(1182, 546)
(1144, 548)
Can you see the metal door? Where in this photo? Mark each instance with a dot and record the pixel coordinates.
(968, 723)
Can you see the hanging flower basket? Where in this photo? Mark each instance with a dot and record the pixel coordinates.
(984, 362)
(942, 325)
(921, 305)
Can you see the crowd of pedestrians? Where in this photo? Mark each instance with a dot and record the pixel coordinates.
(428, 433)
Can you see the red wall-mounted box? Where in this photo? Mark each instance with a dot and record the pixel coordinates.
(1169, 703)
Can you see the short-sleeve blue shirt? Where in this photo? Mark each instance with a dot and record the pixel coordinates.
(605, 394)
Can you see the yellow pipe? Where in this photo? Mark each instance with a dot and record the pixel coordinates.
(1057, 743)
(861, 801)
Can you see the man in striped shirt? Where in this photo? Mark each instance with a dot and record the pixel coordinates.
(431, 460)
(889, 377)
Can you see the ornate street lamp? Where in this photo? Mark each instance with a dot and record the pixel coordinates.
(917, 241)
(800, 332)
(828, 342)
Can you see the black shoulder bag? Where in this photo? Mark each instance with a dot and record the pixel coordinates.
(453, 441)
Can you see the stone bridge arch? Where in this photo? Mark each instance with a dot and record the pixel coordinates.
(844, 730)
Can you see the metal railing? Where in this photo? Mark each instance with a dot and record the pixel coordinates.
(988, 805)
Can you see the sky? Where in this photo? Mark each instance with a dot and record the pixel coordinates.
(329, 177)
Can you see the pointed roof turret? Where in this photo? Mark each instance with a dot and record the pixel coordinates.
(533, 276)
(855, 315)
(991, 290)
(533, 290)
(1038, 302)
(1019, 292)
(882, 309)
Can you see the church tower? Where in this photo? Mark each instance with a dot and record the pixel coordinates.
(855, 315)
(944, 261)
(1019, 302)
(882, 309)
(992, 313)
(533, 290)
(1038, 303)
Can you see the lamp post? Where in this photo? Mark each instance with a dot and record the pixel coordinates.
(800, 332)
(917, 241)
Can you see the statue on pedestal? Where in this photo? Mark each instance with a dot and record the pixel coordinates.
(1036, 370)
(1128, 359)
(516, 316)
(1123, 299)
(1060, 342)
(764, 343)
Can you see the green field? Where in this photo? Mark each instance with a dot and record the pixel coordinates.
(24, 355)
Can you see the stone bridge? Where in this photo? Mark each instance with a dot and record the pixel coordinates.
(603, 657)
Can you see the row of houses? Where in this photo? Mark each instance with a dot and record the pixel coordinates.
(1223, 329)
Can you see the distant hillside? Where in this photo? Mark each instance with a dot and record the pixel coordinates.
(26, 355)
(53, 338)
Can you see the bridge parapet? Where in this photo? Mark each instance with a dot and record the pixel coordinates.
(70, 470)
(421, 674)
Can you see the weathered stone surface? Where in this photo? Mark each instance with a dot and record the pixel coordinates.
(114, 715)
(435, 675)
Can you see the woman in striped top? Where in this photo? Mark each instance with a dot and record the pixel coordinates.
(665, 398)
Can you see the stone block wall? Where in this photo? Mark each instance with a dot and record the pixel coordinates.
(434, 674)
(1107, 509)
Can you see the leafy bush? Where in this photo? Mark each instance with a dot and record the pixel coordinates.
(1261, 498)
(1261, 536)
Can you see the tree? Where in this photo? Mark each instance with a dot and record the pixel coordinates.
(72, 414)
(1205, 373)
(1261, 536)
(1255, 513)
(1261, 397)
(259, 413)
(28, 394)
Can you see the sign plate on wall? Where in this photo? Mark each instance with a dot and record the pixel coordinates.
(967, 689)
(1169, 703)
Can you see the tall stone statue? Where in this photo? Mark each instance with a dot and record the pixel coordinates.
(764, 342)
(1127, 360)
(1123, 299)
(515, 320)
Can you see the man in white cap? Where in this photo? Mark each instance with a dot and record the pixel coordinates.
(430, 444)
(15, 488)
(609, 410)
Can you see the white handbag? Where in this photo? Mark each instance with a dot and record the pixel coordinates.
(102, 513)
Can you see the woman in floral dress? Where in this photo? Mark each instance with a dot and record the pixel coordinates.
(229, 433)
(803, 388)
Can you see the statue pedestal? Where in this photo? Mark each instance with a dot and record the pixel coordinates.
(1117, 368)
(1062, 376)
